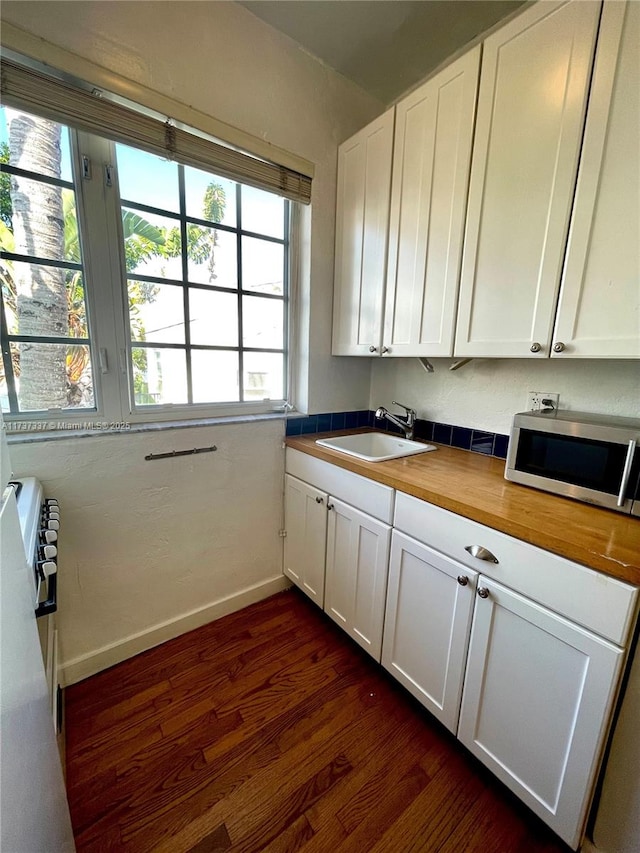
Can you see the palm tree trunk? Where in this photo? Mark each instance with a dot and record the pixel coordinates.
(38, 228)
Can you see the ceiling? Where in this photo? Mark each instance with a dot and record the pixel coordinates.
(385, 46)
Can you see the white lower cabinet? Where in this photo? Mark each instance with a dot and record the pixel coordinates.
(427, 624)
(544, 660)
(537, 698)
(356, 574)
(516, 650)
(338, 553)
(304, 544)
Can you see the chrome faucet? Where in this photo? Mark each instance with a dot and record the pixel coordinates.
(406, 424)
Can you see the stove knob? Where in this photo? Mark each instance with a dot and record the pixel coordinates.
(48, 551)
(52, 524)
(45, 568)
(49, 567)
(48, 536)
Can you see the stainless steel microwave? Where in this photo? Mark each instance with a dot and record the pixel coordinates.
(591, 458)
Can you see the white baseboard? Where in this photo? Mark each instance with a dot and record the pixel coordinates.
(82, 667)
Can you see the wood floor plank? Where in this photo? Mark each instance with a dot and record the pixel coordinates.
(269, 730)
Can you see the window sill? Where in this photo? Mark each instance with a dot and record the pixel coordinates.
(36, 435)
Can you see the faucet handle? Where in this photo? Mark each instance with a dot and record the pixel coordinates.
(409, 411)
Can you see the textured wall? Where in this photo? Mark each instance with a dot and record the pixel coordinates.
(486, 393)
(144, 543)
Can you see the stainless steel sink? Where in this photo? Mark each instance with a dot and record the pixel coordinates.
(375, 446)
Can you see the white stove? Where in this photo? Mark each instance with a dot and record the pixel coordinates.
(40, 525)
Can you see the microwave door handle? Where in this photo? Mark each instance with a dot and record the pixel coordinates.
(626, 473)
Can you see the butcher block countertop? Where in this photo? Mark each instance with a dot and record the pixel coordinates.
(473, 485)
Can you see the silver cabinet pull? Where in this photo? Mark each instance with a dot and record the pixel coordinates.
(558, 346)
(373, 349)
(463, 580)
(481, 553)
(483, 592)
(535, 347)
(385, 349)
(626, 473)
(329, 506)
(319, 500)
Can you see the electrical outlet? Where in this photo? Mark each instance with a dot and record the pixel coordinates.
(542, 401)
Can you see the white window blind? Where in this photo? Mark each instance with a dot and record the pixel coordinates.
(59, 101)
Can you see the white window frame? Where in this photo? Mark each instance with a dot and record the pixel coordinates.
(99, 214)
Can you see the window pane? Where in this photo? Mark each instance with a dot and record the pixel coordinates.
(262, 323)
(43, 219)
(147, 179)
(212, 257)
(213, 318)
(52, 159)
(214, 375)
(210, 197)
(159, 376)
(152, 244)
(262, 266)
(263, 376)
(43, 301)
(262, 212)
(156, 312)
(52, 376)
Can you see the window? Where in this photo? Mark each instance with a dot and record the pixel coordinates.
(145, 289)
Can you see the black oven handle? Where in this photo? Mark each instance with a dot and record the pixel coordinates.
(49, 606)
(626, 473)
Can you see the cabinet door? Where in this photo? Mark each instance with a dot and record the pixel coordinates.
(356, 583)
(537, 699)
(599, 308)
(427, 624)
(362, 230)
(304, 545)
(533, 91)
(431, 160)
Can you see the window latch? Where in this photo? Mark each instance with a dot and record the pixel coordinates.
(108, 175)
(86, 168)
(104, 360)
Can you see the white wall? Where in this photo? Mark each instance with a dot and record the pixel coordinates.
(486, 393)
(221, 59)
(148, 543)
(150, 549)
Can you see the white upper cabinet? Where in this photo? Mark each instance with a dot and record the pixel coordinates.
(431, 160)
(531, 107)
(599, 307)
(362, 228)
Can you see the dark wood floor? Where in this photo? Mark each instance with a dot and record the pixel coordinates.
(269, 730)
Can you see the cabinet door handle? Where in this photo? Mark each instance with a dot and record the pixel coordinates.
(481, 553)
(535, 347)
(463, 580)
(373, 349)
(319, 500)
(385, 349)
(558, 346)
(483, 592)
(329, 506)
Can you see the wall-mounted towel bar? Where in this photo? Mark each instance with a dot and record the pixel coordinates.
(151, 457)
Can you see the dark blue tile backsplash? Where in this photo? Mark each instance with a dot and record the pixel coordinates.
(478, 441)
